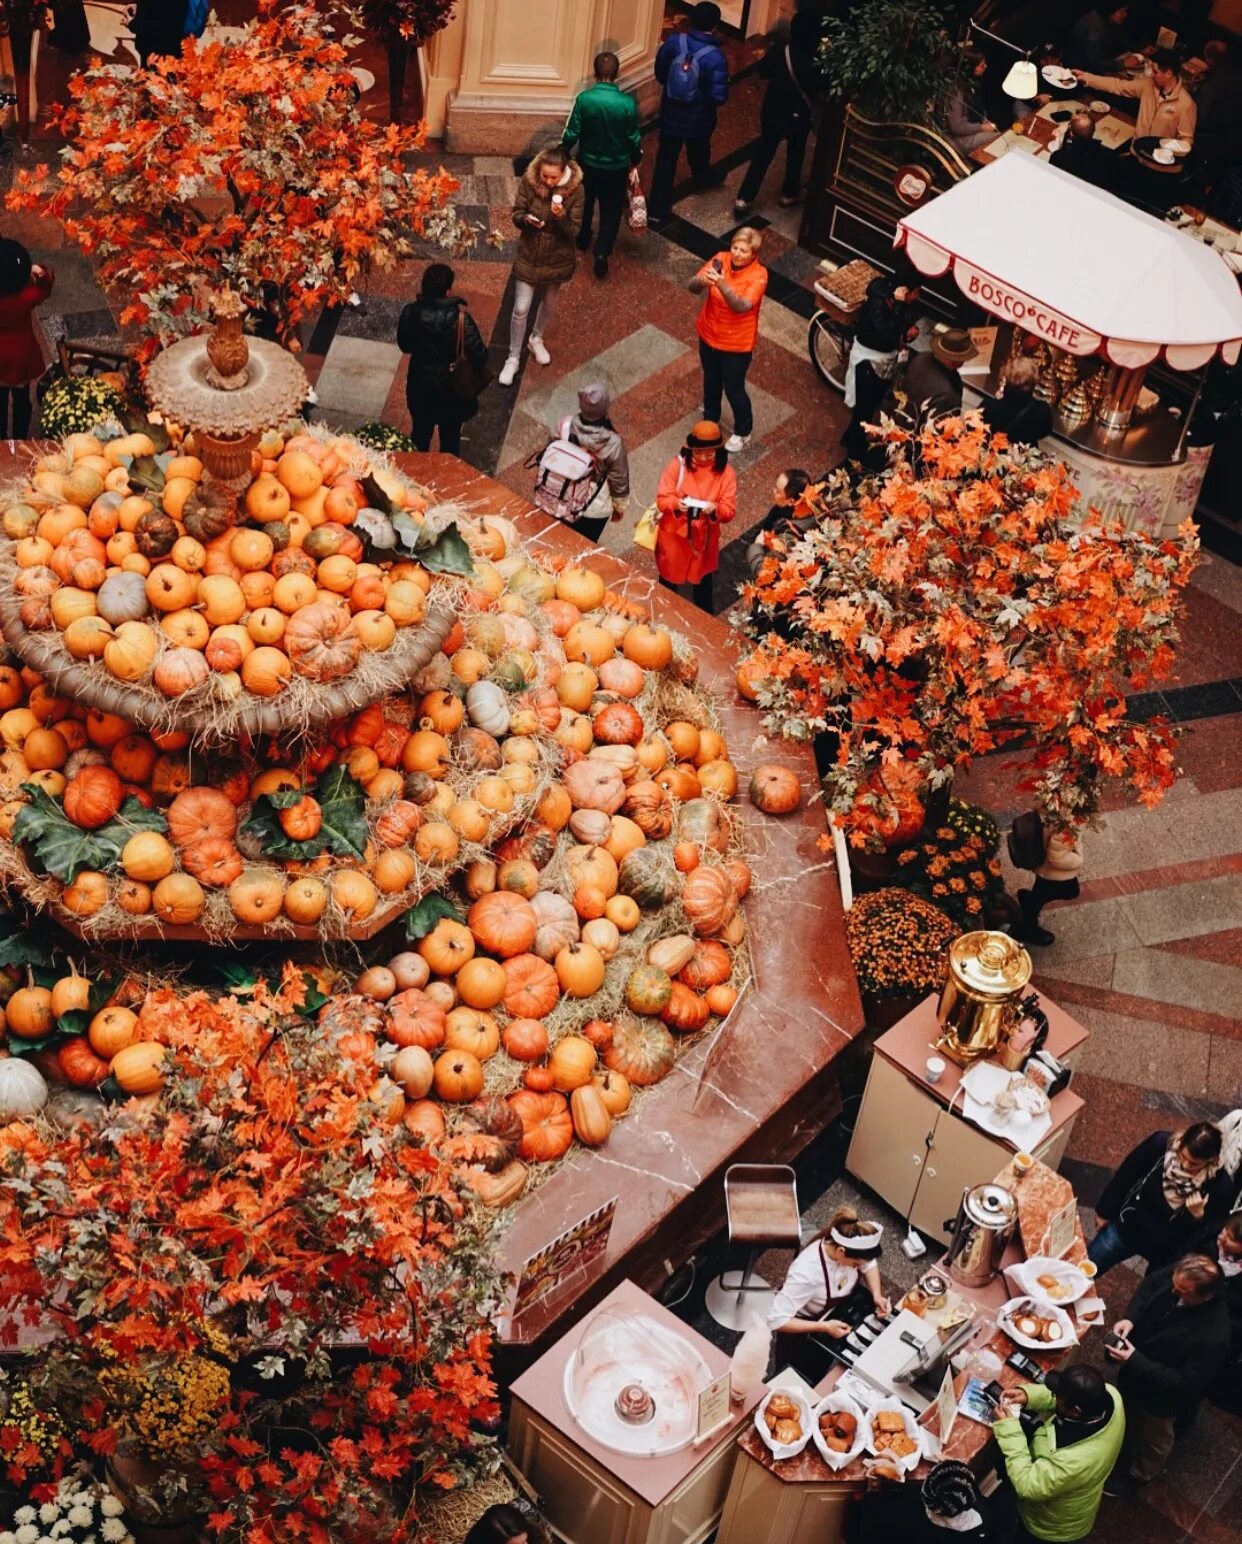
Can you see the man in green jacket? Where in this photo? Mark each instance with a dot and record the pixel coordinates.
(1059, 1476)
(604, 126)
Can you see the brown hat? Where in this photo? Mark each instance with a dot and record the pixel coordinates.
(705, 435)
(952, 346)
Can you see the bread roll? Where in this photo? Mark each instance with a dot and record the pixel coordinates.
(787, 1431)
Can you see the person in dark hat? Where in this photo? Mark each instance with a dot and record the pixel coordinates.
(697, 494)
(933, 381)
(23, 286)
(593, 429)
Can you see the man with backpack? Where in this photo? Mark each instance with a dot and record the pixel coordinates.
(573, 468)
(695, 75)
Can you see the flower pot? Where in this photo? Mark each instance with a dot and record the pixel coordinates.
(873, 870)
(129, 1477)
(884, 1012)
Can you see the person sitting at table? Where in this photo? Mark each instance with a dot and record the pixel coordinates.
(832, 1285)
(1082, 155)
(1098, 39)
(933, 382)
(1018, 413)
(1166, 110)
(965, 120)
(1218, 129)
(1058, 1476)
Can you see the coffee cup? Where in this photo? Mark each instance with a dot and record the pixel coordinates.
(1023, 1163)
(935, 1069)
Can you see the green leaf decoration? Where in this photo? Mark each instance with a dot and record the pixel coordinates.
(75, 1023)
(111, 1092)
(342, 802)
(21, 948)
(376, 497)
(420, 919)
(61, 849)
(446, 553)
(146, 475)
(314, 1000)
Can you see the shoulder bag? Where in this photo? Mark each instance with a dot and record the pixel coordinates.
(466, 379)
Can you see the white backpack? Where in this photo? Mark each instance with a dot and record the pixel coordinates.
(566, 477)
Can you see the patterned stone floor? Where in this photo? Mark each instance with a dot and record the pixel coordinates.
(1150, 958)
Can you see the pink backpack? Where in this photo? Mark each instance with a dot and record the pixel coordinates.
(566, 477)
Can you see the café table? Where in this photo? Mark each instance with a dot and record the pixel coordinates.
(1038, 135)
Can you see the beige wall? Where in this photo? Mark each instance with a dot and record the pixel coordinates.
(502, 76)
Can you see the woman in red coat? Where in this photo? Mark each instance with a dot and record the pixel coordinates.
(697, 494)
(23, 286)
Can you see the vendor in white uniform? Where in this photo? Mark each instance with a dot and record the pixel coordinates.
(831, 1287)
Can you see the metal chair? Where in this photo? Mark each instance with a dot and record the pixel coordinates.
(761, 1203)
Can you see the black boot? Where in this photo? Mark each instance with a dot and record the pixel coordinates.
(1029, 930)
(601, 267)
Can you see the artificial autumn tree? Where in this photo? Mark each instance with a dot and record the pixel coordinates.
(245, 162)
(403, 26)
(940, 612)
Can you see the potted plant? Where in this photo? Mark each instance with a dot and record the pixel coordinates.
(953, 607)
(403, 26)
(886, 59)
(899, 945)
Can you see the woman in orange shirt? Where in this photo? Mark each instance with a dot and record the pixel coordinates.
(728, 326)
(697, 494)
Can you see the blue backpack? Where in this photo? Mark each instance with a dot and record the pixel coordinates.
(683, 76)
(196, 17)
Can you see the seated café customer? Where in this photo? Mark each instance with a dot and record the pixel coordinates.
(933, 383)
(1173, 1343)
(1165, 108)
(1098, 39)
(1058, 1476)
(1169, 1190)
(1018, 412)
(1082, 155)
(965, 120)
(831, 1287)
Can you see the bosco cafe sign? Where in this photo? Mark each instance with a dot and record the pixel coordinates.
(1011, 305)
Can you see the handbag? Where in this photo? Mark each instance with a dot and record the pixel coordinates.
(1026, 841)
(636, 214)
(466, 380)
(645, 530)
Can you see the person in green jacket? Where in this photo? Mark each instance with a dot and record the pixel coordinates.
(1059, 1476)
(604, 126)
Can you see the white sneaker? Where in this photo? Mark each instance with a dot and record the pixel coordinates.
(540, 353)
(508, 374)
(737, 442)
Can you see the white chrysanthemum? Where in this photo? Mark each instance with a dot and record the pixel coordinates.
(8, 1537)
(60, 1529)
(27, 1533)
(48, 1512)
(113, 1529)
(82, 1498)
(24, 1514)
(110, 1506)
(81, 1516)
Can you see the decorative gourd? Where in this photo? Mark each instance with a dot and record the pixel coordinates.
(93, 797)
(458, 1077)
(199, 813)
(709, 965)
(650, 647)
(648, 805)
(648, 990)
(595, 785)
(622, 676)
(476, 750)
(526, 1040)
(623, 838)
(672, 954)
(498, 1120)
(469, 1029)
(618, 724)
(739, 874)
(603, 935)
(504, 923)
(580, 970)
(685, 1011)
(703, 822)
(774, 789)
(547, 1126)
(413, 1068)
(424, 1119)
(557, 924)
(23, 1089)
(643, 1052)
(591, 1117)
(139, 1068)
(580, 587)
(532, 989)
(593, 867)
(709, 899)
(321, 642)
(518, 876)
(79, 1065)
(488, 708)
(180, 671)
(399, 824)
(414, 1019)
(410, 969)
(447, 947)
(614, 1090)
(591, 827)
(122, 597)
(500, 1189)
(648, 877)
(720, 999)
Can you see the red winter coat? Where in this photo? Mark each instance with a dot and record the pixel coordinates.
(21, 358)
(688, 550)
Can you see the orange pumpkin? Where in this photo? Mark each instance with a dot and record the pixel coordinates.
(642, 1051)
(709, 899)
(526, 1040)
(93, 796)
(547, 1126)
(466, 1029)
(685, 1012)
(79, 1065)
(618, 724)
(720, 999)
(504, 923)
(481, 982)
(580, 969)
(708, 966)
(200, 813)
(414, 1019)
(447, 947)
(321, 642)
(458, 1077)
(650, 647)
(424, 1120)
(614, 1090)
(532, 989)
(774, 789)
(213, 861)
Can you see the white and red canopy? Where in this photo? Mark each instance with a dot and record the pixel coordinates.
(1077, 267)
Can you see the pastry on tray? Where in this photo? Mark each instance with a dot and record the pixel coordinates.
(787, 1431)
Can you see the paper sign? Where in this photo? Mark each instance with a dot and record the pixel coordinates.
(713, 1406)
(567, 1256)
(1063, 1228)
(946, 1407)
(984, 340)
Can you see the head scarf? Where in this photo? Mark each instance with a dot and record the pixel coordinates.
(951, 1495)
(1183, 1190)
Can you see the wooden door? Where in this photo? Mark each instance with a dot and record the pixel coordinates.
(960, 1155)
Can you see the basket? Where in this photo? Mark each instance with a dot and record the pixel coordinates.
(842, 293)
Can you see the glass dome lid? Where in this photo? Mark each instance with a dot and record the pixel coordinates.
(633, 1384)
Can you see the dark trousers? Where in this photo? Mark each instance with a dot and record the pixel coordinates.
(427, 416)
(725, 373)
(591, 530)
(795, 131)
(608, 190)
(20, 398)
(700, 594)
(698, 153)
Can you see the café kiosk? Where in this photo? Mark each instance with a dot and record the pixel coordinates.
(1107, 291)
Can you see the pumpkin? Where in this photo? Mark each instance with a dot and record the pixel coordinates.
(709, 899)
(580, 970)
(643, 1052)
(685, 1012)
(179, 900)
(707, 966)
(256, 896)
(180, 671)
(301, 821)
(487, 708)
(525, 1040)
(122, 597)
(774, 789)
(580, 587)
(480, 982)
(424, 1119)
(465, 1029)
(650, 647)
(621, 676)
(532, 987)
(321, 642)
(703, 822)
(413, 1069)
(602, 935)
(518, 876)
(496, 1118)
(426, 751)
(458, 1077)
(410, 970)
(79, 1065)
(557, 924)
(592, 867)
(673, 953)
(712, 748)
(93, 796)
(614, 1090)
(447, 947)
(29, 1013)
(681, 781)
(591, 1117)
(718, 778)
(139, 1068)
(476, 750)
(648, 990)
(23, 1089)
(414, 1019)
(398, 825)
(479, 878)
(87, 894)
(623, 838)
(71, 994)
(622, 911)
(538, 1078)
(617, 724)
(720, 999)
(738, 871)
(199, 813)
(504, 923)
(147, 856)
(555, 808)
(591, 827)
(649, 806)
(595, 785)
(547, 1126)
(499, 1189)
(648, 877)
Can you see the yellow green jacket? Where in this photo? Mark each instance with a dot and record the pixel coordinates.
(1059, 1491)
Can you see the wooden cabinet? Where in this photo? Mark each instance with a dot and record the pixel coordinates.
(762, 1509)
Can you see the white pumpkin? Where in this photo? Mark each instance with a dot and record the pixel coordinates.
(23, 1091)
(557, 924)
(487, 707)
(123, 598)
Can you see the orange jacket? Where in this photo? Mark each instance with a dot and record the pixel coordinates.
(688, 548)
(719, 325)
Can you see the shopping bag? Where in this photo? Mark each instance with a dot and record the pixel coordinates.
(636, 210)
(645, 530)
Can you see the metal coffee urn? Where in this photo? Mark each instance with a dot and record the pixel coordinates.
(985, 1223)
(987, 977)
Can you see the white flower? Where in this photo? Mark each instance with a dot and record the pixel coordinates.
(60, 1529)
(7, 1537)
(110, 1506)
(48, 1512)
(81, 1516)
(113, 1529)
(27, 1533)
(24, 1514)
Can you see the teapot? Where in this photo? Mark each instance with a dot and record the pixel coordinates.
(981, 999)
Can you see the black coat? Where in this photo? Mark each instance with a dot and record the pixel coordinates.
(1134, 1200)
(159, 26)
(1024, 418)
(427, 332)
(1178, 1350)
(884, 320)
(1088, 160)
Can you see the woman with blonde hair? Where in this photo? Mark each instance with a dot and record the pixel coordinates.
(832, 1285)
(734, 284)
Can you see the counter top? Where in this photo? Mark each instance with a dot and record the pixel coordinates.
(909, 1043)
(542, 1389)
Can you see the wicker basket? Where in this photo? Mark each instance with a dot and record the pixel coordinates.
(842, 293)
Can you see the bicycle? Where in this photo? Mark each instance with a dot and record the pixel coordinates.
(830, 333)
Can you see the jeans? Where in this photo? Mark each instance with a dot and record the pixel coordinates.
(427, 416)
(725, 372)
(608, 190)
(698, 153)
(523, 298)
(700, 592)
(20, 397)
(795, 131)
(1109, 1247)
